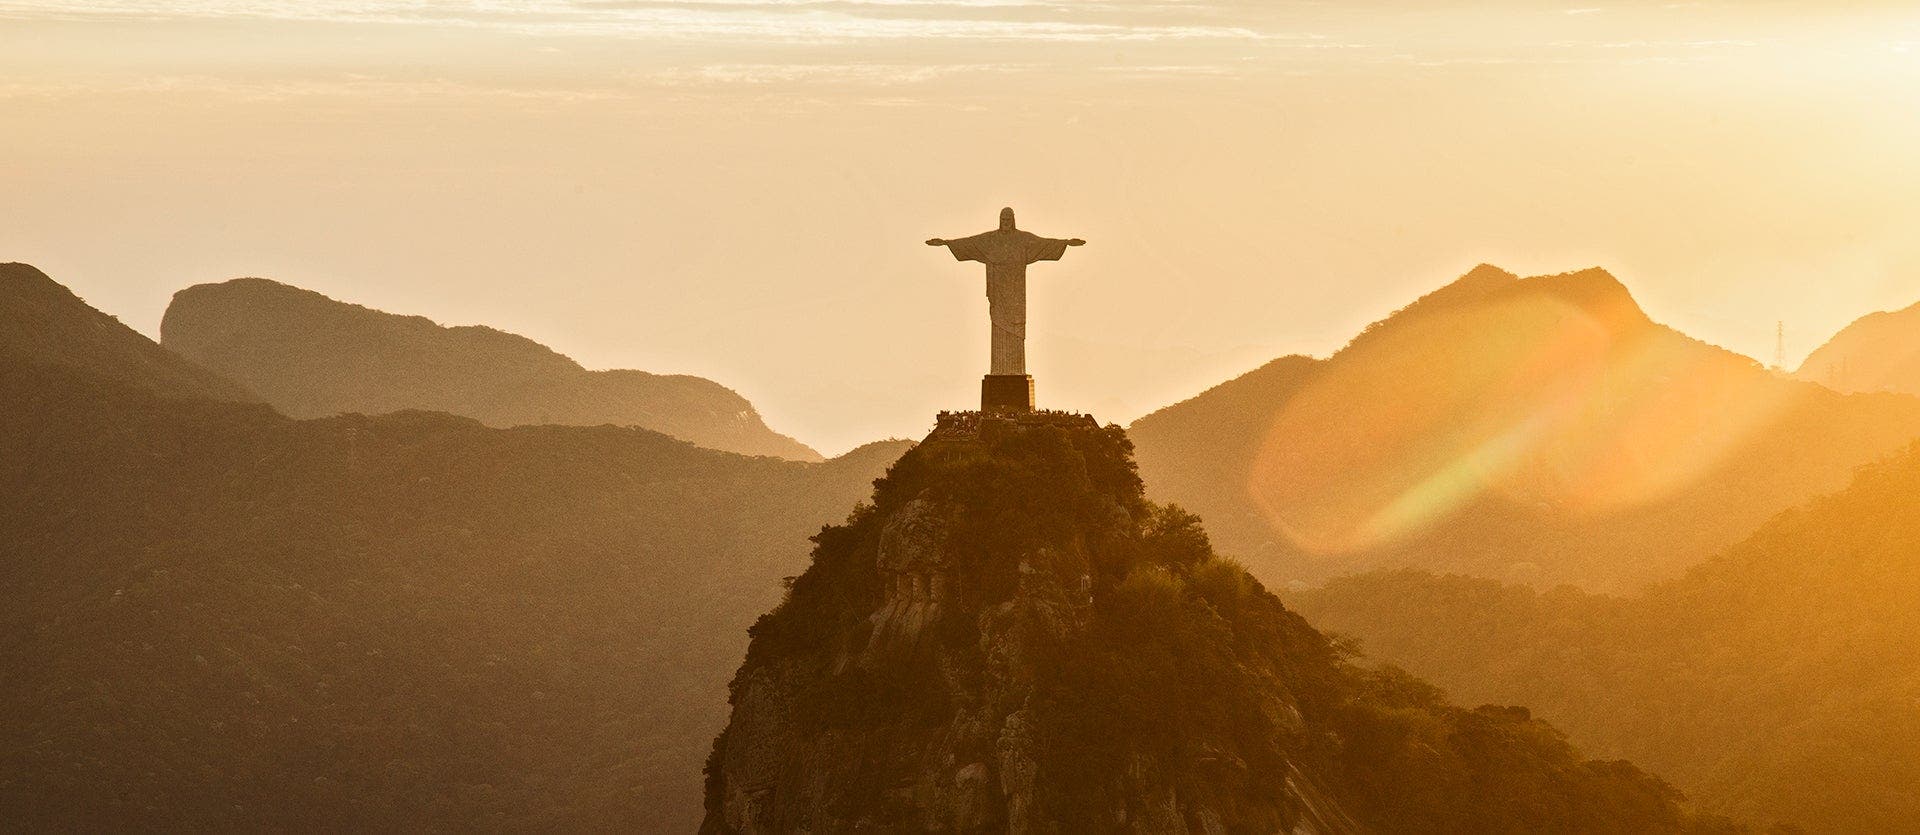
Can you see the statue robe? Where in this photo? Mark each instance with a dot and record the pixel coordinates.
(1007, 252)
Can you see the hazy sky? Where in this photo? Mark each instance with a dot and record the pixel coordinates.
(739, 188)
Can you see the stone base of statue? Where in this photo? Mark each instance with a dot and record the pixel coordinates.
(1006, 394)
(977, 427)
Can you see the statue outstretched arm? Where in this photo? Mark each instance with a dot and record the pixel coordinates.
(965, 249)
(1050, 249)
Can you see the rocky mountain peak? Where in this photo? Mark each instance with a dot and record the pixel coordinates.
(1011, 638)
(1490, 300)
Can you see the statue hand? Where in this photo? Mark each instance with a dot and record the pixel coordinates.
(936, 242)
(1076, 242)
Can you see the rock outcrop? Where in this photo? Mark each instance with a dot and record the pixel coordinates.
(1010, 638)
(917, 581)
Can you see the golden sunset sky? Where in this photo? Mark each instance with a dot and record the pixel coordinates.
(739, 188)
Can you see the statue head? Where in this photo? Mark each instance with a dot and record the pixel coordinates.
(1006, 218)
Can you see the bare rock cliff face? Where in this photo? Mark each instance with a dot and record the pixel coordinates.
(976, 770)
(1011, 639)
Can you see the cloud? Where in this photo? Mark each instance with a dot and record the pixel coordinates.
(280, 90)
(756, 20)
(888, 43)
(870, 74)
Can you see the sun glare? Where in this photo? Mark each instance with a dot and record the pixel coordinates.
(1577, 403)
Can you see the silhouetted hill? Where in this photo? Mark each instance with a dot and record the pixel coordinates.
(221, 618)
(1010, 638)
(311, 356)
(1878, 352)
(1778, 681)
(1538, 430)
(42, 321)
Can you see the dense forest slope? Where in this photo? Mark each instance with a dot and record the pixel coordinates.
(220, 618)
(1778, 681)
(42, 321)
(1010, 638)
(1877, 352)
(1538, 430)
(311, 356)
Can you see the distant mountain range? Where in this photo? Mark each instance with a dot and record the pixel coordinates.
(222, 617)
(1538, 430)
(1877, 352)
(1779, 681)
(218, 617)
(312, 356)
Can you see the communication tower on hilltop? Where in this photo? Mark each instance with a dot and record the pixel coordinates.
(1780, 346)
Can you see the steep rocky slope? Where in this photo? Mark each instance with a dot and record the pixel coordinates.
(311, 356)
(1538, 430)
(1010, 638)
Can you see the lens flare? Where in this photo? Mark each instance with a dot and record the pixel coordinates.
(1554, 392)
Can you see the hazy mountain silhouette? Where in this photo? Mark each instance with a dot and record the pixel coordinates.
(312, 356)
(1542, 430)
(1010, 638)
(42, 321)
(220, 618)
(1877, 352)
(1777, 681)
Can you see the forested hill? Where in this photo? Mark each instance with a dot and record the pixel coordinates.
(1540, 430)
(1010, 638)
(219, 617)
(42, 321)
(1778, 681)
(1877, 352)
(312, 356)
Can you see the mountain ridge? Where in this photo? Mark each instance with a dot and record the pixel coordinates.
(43, 321)
(1496, 427)
(1591, 288)
(221, 617)
(1878, 352)
(312, 356)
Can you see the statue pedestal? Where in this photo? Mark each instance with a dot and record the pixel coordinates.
(1006, 394)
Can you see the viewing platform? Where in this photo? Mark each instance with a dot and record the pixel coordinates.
(970, 426)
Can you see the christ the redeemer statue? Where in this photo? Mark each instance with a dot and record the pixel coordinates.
(1007, 251)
